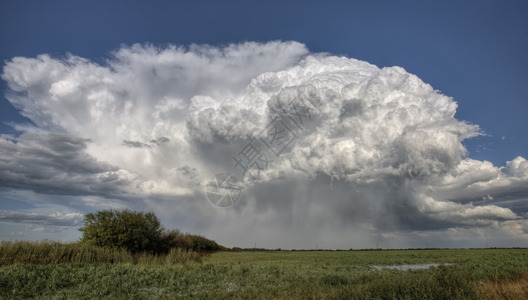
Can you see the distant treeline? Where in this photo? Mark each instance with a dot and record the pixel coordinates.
(238, 249)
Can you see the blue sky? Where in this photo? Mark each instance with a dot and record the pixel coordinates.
(472, 51)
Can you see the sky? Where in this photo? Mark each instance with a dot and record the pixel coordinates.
(345, 124)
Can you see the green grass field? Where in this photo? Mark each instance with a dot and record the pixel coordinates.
(471, 274)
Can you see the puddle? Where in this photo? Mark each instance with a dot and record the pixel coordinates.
(409, 267)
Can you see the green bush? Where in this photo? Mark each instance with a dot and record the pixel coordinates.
(133, 231)
(172, 239)
(139, 232)
(202, 244)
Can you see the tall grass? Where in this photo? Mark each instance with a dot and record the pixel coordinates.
(46, 252)
(471, 274)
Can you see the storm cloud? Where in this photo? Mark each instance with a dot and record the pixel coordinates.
(331, 150)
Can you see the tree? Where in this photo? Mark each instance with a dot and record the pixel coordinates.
(134, 231)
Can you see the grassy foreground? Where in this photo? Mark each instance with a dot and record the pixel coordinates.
(472, 274)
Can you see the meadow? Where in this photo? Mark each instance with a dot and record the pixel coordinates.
(466, 274)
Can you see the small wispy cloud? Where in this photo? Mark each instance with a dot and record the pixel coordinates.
(40, 220)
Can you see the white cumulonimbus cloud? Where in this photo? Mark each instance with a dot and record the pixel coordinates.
(327, 146)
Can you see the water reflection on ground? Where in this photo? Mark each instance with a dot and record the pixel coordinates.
(409, 266)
